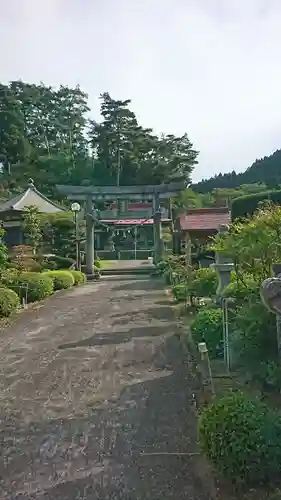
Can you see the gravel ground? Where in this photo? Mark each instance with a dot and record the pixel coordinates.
(95, 399)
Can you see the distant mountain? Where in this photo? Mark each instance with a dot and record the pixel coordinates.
(266, 170)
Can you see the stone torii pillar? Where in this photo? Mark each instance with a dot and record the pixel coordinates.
(90, 252)
(157, 230)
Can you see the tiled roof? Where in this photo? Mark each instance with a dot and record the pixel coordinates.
(208, 219)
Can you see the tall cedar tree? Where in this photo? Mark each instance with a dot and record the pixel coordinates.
(126, 153)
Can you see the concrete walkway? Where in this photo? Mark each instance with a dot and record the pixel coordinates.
(94, 395)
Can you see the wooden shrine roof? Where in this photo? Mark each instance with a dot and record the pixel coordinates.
(30, 197)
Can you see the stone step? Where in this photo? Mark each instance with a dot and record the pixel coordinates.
(125, 277)
(117, 271)
(127, 272)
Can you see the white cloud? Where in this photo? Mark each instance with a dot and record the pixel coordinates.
(208, 67)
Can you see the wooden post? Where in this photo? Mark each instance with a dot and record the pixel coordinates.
(206, 373)
(188, 258)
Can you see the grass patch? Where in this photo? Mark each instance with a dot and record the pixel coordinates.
(107, 263)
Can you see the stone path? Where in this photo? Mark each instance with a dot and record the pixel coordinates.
(93, 393)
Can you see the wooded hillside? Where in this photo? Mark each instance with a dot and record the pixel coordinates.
(266, 170)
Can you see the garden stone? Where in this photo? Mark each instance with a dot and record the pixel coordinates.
(270, 293)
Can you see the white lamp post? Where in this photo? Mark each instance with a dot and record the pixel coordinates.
(75, 209)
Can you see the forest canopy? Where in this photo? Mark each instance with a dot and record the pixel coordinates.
(46, 134)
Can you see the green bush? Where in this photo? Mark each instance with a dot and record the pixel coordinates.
(207, 327)
(49, 265)
(35, 267)
(180, 292)
(62, 262)
(61, 279)
(9, 302)
(162, 266)
(242, 290)
(255, 336)
(270, 374)
(203, 282)
(9, 276)
(242, 438)
(34, 286)
(59, 233)
(97, 263)
(79, 277)
(172, 278)
(97, 272)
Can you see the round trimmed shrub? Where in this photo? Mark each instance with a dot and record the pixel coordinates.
(9, 302)
(207, 326)
(37, 286)
(79, 277)
(61, 279)
(97, 263)
(241, 437)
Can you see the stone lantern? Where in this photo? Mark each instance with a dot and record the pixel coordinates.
(223, 266)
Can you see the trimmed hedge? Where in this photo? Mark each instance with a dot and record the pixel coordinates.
(61, 279)
(245, 206)
(9, 302)
(242, 438)
(38, 286)
(35, 286)
(207, 327)
(79, 277)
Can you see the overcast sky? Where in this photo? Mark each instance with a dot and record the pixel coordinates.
(211, 68)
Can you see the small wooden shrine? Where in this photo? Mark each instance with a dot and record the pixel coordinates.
(11, 212)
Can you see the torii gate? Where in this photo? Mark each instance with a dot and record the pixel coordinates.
(90, 194)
